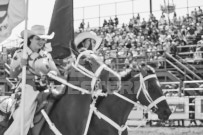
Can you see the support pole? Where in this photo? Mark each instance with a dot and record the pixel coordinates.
(115, 8)
(150, 6)
(133, 7)
(168, 13)
(187, 8)
(83, 11)
(99, 16)
(24, 69)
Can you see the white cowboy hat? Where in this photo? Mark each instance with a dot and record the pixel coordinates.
(38, 30)
(85, 35)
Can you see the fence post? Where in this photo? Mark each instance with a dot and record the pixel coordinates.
(187, 8)
(99, 16)
(150, 6)
(133, 7)
(83, 11)
(115, 8)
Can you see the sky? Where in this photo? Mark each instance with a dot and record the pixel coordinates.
(40, 11)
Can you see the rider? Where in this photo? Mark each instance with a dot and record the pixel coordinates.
(39, 62)
(83, 41)
(87, 41)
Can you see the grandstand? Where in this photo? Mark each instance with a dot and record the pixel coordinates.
(173, 46)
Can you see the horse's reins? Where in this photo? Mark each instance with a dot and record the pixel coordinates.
(90, 74)
(146, 93)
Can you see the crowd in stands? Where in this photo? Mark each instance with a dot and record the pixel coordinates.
(153, 36)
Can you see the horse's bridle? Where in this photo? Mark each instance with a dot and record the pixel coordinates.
(146, 93)
(142, 88)
(90, 74)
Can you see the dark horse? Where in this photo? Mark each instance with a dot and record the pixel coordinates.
(70, 113)
(118, 109)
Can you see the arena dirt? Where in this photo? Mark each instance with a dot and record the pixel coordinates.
(167, 131)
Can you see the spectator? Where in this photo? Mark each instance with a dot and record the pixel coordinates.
(162, 20)
(105, 23)
(174, 47)
(111, 23)
(116, 21)
(152, 35)
(82, 26)
(175, 19)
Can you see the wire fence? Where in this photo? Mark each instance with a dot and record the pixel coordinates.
(94, 15)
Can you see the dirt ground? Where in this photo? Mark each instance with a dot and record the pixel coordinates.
(167, 131)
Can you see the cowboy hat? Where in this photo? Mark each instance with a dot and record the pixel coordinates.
(38, 30)
(85, 35)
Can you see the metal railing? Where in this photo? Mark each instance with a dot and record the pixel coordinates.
(124, 10)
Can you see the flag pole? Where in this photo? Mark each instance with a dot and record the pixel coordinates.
(24, 69)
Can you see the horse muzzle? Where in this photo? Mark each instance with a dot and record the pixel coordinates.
(164, 114)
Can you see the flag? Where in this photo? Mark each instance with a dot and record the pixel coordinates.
(62, 25)
(12, 12)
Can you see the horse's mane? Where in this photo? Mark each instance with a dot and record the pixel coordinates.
(127, 74)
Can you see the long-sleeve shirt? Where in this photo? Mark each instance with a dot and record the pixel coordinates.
(37, 63)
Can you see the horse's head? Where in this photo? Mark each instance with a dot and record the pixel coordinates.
(151, 93)
(92, 66)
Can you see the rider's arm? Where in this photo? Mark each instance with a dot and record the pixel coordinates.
(52, 64)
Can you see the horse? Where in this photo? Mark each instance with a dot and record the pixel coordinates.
(70, 112)
(115, 108)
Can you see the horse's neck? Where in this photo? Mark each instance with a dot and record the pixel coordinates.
(126, 74)
(124, 105)
(130, 84)
(119, 109)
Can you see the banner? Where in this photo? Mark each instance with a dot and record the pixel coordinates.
(12, 12)
(62, 25)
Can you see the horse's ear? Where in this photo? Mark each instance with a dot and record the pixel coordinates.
(73, 49)
(153, 65)
(141, 67)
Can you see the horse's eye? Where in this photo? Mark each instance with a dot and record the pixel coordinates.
(90, 63)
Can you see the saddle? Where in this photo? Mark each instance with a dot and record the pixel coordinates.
(45, 101)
